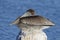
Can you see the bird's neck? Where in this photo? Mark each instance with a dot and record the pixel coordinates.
(28, 31)
(37, 29)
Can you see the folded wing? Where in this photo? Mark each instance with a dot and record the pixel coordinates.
(36, 20)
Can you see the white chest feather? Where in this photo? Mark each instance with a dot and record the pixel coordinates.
(34, 35)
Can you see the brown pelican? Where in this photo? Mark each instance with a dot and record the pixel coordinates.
(33, 25)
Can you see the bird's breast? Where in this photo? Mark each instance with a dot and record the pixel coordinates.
(34, 35)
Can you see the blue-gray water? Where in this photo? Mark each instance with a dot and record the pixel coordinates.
(11, 9)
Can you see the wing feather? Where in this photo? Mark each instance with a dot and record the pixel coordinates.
(36, 20)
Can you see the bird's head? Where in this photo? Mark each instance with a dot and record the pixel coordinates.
(29, 12)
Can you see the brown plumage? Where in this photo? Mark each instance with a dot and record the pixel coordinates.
(36, 20)
(32, 25)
